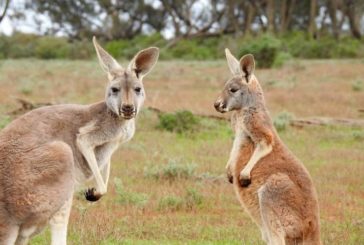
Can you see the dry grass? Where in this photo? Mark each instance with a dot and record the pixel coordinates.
(333, 155)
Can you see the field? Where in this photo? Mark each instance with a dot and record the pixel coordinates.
(170, 188)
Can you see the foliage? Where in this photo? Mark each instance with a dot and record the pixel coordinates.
(129, 198)
(4, 120)
(358, 85)
(180, 121)
(52, 48)
(282, 120)
(189, 201)
(264, 48)
(269, 51)
(172, 171)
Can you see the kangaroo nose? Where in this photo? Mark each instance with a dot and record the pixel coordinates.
(128, 108)
(217, 105)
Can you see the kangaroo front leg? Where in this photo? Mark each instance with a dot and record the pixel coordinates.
(234, 154)
(261, 150)
(88, 153)
(106, 173)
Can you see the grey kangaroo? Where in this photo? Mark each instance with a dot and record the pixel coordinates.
(49, 152)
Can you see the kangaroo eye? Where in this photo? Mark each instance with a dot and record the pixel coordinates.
(233, 90)
(115, 90)
(138, 89)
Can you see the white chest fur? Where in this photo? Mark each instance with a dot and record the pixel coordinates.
(126, 131)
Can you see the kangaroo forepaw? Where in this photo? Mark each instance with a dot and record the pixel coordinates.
(91, 195)
(230, 178)
(245, 182)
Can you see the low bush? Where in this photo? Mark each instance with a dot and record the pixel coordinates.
(180, 121)
(357, 85)
(191, 200)
(265, 49)
(171, 172)
(52, 48)
(269, 50)
(282, 120)
(129, 198)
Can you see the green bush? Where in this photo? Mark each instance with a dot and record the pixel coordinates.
(282, 120)
(189, 201)
(117, 48)
(129, 198)
(180, 121)
(325, 47)
(193, 199)
(19, 45)
(52, 48)
(269, 51)
(80, 50)
(172, 171)
(128, 48)
(357, 86)
(195, 49)
(265, 49)
(4, 121)
(171, 203)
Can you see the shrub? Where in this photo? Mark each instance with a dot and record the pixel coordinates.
(129, 198)
(117, 48)
(189, 201)
(80, 50)
(128, 48)
(264, 48)
(195, 49)
(52, 48)
(357, 85)
(180, 121)
(282, 120)
(172, 171)
(193, 198)
(20, 45)
(4, 121)
(281, 58)
(172, 203)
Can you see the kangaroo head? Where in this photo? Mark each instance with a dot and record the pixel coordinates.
(125, 92)
(243, 89)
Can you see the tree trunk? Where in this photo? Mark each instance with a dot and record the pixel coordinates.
(286, 13)
(350, 12)
(232, 24)
(332, 8)
(283, 15)
(249, 13)
(2, 16)
(270, 15)
(312, 22)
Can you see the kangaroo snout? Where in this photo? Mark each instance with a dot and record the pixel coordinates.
(220, 106)
(128, 111)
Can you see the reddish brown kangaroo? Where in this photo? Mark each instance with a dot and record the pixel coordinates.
(49, 152)
(272, 185)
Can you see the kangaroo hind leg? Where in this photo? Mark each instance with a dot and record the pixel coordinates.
(278, 211)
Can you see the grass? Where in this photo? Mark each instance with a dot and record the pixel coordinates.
(170, 188)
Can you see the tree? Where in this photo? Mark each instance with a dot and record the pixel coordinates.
(6, 6)
(110, 19)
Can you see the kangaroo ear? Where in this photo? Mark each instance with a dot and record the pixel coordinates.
(143, 61)
(107, 62)
(233, 63)
(247, 66)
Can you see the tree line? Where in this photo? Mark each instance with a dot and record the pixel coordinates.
(126, 19)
